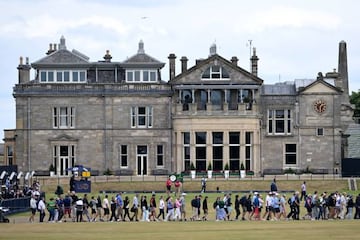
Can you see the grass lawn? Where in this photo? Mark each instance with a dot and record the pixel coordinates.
(19, 228)
(185, 230)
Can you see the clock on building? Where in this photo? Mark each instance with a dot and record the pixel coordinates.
(319, 106)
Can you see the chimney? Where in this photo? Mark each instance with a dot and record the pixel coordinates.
(55, 45)
(254, 63)
(171, 58)
(184, 61)
(50, 49)
(24, 71)
(107, 56)
(212, 49)
(62, 45)
(234, 60)
(343, 68)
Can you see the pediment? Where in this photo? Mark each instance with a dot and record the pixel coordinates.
(64, 138)
(62, 57)
(236, 74)
(320, 87)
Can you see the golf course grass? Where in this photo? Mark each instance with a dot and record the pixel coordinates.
(20, 228)
(209, 230)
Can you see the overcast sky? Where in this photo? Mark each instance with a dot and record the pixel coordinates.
(294, 39)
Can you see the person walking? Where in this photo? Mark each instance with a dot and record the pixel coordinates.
(357, 207)
(41, 208)
(127, 208)
(106, 207)
(237, 207)
(79, 210)
(170, 209)
(33, 208)
(135, 207)
(303, 191)
(161, 208)
(205, 208)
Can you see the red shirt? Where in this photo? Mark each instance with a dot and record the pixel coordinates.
(168, 182)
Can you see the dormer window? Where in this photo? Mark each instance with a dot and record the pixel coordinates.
(215, 72)
(141, 75)
(62, 76)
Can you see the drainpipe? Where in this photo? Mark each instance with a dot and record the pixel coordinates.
(105, 134)
(28, 132)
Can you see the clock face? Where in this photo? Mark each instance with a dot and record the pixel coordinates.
(319, 106)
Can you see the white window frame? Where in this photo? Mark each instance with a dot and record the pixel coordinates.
(135, 117)
(160, 155)
(122, 154)
(59, 116)
(287, 120)
(137, 75)
(71, 75)
(212, 73)
(320, 132)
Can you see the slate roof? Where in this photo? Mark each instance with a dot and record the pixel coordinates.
(141, 59)
(62, 56)
(278, 89)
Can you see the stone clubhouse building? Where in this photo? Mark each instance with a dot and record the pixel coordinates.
(123, 117)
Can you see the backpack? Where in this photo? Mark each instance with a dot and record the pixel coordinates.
(193, 203)
(243, 201)
(289, 201)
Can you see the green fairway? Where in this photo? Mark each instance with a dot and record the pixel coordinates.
(185, 230)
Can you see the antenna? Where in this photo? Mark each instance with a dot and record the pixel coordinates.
(250, 46)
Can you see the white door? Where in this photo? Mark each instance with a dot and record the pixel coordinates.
(141, 160)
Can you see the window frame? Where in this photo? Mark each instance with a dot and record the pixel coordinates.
(211, 73)
(160, 156)
(273, 119)
(287, 153)
(320, 132)
(124, 156)
(138, 76)
(58, 116)
(63, 76)
(135, 117)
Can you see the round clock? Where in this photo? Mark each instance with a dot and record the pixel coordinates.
(319, 106)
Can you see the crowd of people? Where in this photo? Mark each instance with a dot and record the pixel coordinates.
(172, 206)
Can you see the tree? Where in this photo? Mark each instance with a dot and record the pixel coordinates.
(355, 99)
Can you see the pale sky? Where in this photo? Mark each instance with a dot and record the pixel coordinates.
(294, 39)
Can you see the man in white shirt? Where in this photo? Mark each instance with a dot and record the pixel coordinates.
(41, 208)
(33, 208)
(303, 191)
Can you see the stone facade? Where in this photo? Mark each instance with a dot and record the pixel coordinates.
(121, 116)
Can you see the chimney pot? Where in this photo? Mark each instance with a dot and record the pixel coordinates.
(184, 61)
(21, 60)
(107, 56)
(254, 63)
(234, 60)
(171, 58)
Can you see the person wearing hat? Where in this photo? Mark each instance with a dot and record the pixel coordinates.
(268, 207)
(256, 206)
(79, 209)
(183, 206)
